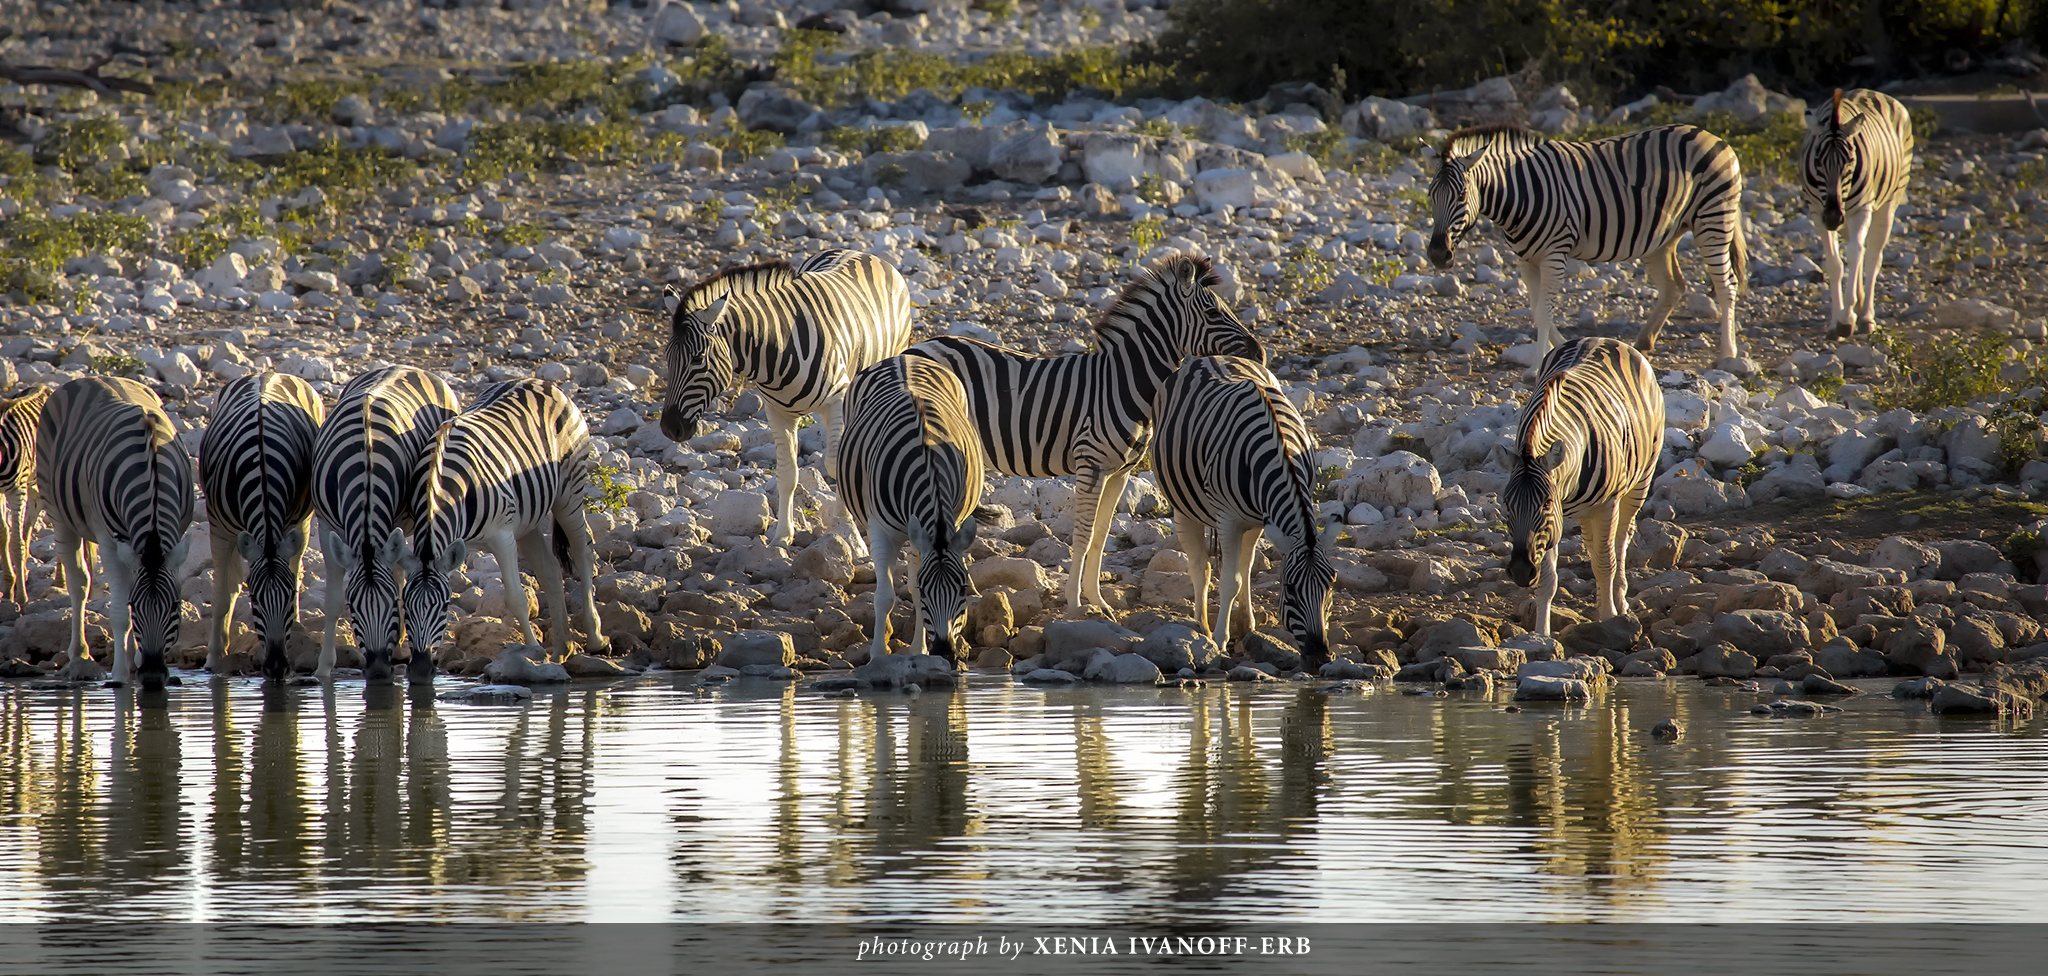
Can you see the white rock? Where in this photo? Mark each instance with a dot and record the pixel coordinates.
(738, 514)
(1727, 446)
(307, 367)
(1219, 188)
(677, 24)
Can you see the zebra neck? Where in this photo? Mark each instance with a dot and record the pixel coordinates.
(1140, 362)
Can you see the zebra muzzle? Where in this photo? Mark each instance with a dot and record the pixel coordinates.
(1439, 251)
(1521, 569)
(674, 427)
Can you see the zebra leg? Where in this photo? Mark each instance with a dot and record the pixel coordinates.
(1546, 592)
(520, 614)
(1599, 529)
(1840, 318)
(337, 606)
(918, 622)
(229, 571)
(1092, 510)
(836, 517)
(1545, 274)
(16, 555)
(1669, 281)
(1626, 508)
(1243, 619)
(783, 427)
(77, 582)
(538, 548)
(1721, 269)
(1855, 253)
(1229, 540)
(1875, 238)
(1194, 543)
(882, 546)
(583, 562)
(120, 575)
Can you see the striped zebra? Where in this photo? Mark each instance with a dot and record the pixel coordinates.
(1233, 456)
(910, 470)
(363, 464)
(1631, 196)
(256, 468)
(510, 472)
(1586, 447)
(1089, 414)
(114, 478)
(798, 333)
(1854, 165)
(18, 418)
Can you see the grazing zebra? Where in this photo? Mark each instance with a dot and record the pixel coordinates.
(910, 470)
(512, 472)
(1089, 414)
(256, 467)
(1586, 447)
(18, 480)
(113, 477)
(1854, 169)
(1232, 454)
(1631, 196)
(363, 464)
(798, 333)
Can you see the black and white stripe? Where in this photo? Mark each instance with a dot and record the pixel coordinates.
(1232, 455)
(18, 418)
(113, 477)
(1089, 414)
(1854, 165)
(256, 468)
(511, 473)
(1630, 196)
(910, 470)
(1586, 447)
(798, 334)
(363, 464)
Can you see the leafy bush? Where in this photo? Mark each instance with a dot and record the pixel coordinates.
(78, 145)
(612, 489)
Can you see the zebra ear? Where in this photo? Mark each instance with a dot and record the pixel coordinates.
(708, 316)
(1275, 536)
(250, 544)
(393, 547)
(337, 552)
(1848, 129)
(963, 537)
(1333, 526)
(447, 560)
(670, 298)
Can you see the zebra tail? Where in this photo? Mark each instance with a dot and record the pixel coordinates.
(1738, 254)
(561, 547)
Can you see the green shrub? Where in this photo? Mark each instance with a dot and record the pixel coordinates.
(81, 144)
(612, 489)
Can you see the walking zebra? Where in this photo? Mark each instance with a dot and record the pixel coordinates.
(256, 467)
(363, 464)
(1630, 196)
(511, 471)
(1089, 414)
(1232, 455)
(1854, 166)
(798, 333)
(910, 470)
(1586, 447)
(18, 480)
(113, 476)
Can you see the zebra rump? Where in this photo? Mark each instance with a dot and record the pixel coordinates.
(910, 470)
(1232, 455)
(18, 418)
(256, 469)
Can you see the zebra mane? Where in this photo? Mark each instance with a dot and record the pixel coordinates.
(1491, 133)
(1116, 320)
(431, 489)
(1302, 492)
(1532, 438)
(1836, 118)
(738, 278)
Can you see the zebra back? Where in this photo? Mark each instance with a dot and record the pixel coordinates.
(519, 451)
(1599, 413)
(368, 448)
(256, 457)
(110, 468)
(911, 456)
(18, 418)
(1857, 153)
(797, 332)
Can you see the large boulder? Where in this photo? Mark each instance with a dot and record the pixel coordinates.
(924, 171)
(774, 109)
(770, 647)
(1385, 119)
(1176, 645)
(1400, 480)
(1761, 632)
(1031, 156)
(1724, 660)
(1218, 189)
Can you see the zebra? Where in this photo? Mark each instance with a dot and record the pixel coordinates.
(511, 471)
(1089, 414)
(798, 333)
(113, 477)
(1630, 196)
(23, 506)
(1855, 171)
(1586, 447)
(1232, 455)
(256, 469)
(910, 469)
(363, 464)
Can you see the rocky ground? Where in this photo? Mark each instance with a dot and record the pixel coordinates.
(289, 200)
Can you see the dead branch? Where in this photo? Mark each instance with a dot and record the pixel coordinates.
(87, 77)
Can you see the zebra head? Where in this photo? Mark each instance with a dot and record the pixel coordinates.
(1453, 203)
(1306, 569)
(700, 367)
(1183, 288)
(273, 585)
(426, 597)
(370, 584)
(154, 607)
(1831, 157)
(942, 588)
(1535, 521)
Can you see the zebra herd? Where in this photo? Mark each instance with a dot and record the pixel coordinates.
(1174, 378)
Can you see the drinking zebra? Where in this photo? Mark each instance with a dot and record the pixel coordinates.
(1854, 166)
(798, 333)
(363, 464)
(1089, 414)
(256, 468)
(1630, 196)
(512, 472)
(1232, 455)
(18, 418)
(910, 470)
(1586, 447)
(114, 478)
